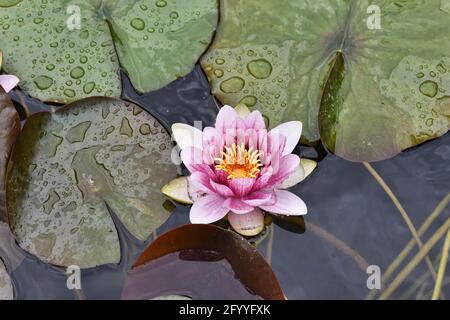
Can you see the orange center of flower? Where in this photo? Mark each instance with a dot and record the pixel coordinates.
(239, 162)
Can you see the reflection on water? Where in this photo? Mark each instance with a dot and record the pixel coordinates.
(351, 221)
(190, 273)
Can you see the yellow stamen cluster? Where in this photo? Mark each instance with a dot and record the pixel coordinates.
(239, 162)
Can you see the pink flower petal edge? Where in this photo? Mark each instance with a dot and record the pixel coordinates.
(208, 209)
(8, 82)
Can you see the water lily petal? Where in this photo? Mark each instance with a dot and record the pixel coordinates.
(177, 189)
(201, 181)
(194, 193)
(212, 144)
(208, 209)
(249, 224)
(241, 186)
(286, 203)
(238, 206)
(225, 118)
(309, 166)
(263, 178)
(221, 177)
(288, 164)
(255, 120)
(302, 171)
(239, 124)
(292, 130)
(251, 136)
(258, 198)
(8, 82)
(262, 142)
(221, 189)
(275, 146)
(187, 136)
(193, 160)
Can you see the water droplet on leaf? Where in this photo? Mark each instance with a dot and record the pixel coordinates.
(260, 69)
(429, 88)
(138, 24)
(232, 85)
(77, 72)
(43, 82)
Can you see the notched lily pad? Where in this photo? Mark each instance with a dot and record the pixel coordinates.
(68, 165)
(64, 50)
(367, 92)
(6, 289)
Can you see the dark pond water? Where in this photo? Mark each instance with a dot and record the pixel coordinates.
(351, 223)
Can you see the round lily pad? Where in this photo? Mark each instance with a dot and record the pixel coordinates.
(67, 168)
(65, 50)
(371, 78)
(6, 289)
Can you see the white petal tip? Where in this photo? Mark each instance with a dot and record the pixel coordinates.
(187, 136)
(242, 110)
(177, 190)
(305, 168)
(299, 124)
(308, 165)
(249, 224)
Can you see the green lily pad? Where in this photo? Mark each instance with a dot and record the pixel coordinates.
(68, 166)
(368, 93)
(155, 41)
(6, 289)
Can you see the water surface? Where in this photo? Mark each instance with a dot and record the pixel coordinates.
(351, 221)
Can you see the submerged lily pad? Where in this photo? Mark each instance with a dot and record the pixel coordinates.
(6, 289)
(64, 50)
(368, 92)
(68, 165)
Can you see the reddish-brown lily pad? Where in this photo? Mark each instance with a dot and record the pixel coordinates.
(9, 130)
(201, 262)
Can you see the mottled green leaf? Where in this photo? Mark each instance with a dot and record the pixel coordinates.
(67, 166)
(368, 93)
(156, 41)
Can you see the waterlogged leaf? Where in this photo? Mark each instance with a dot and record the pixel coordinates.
(9, 130)
(68, 165)
(197, 244)
(64, 50)
(368, 92)
(6, 289)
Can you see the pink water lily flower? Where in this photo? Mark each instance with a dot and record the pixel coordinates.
(239, 169)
